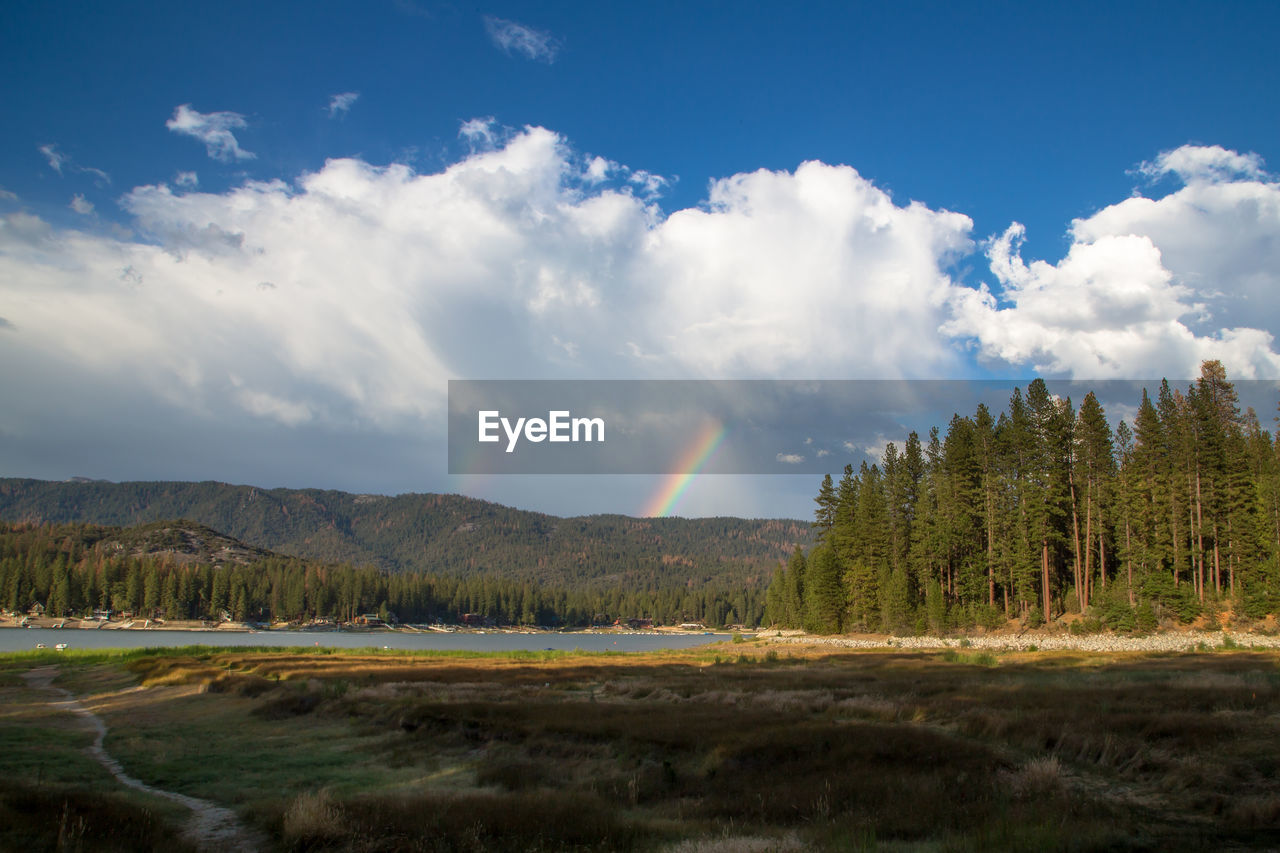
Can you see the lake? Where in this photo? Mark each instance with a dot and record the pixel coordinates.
(22, 639)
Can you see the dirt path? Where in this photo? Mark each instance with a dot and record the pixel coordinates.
(211, 827)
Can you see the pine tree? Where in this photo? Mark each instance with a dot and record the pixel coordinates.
(1095, 472)
(795, 591)
(775, 608)
(824, 592)
(133, 589)
(984, 436)
(825, 515)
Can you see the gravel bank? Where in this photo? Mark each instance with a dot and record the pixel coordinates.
(1172, 641)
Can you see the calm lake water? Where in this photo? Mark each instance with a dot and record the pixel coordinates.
(22, 639)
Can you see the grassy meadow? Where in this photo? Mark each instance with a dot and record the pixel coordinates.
(733, 747)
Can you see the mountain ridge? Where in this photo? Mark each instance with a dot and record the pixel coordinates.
(442, 533)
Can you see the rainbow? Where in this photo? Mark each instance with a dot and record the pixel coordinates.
(686, 468)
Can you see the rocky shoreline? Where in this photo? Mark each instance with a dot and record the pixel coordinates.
(1165, 641)
(70, 623)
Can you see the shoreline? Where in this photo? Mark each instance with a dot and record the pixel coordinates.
(74, 624)
(1167, 640)
(1162, 641)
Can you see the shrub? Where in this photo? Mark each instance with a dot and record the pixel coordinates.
(1037, 778)
(293, 703)
(1186, 605)
(1070, 601)
(989, 616)
(1254, 601)
(313, 819)
(1145, 617)
(1115, 611)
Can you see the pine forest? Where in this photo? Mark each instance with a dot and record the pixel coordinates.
(1045, 510)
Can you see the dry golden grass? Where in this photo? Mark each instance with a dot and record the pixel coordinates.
(704, 749)
(313, 818)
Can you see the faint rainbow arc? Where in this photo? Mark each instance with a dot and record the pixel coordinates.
(686, 468)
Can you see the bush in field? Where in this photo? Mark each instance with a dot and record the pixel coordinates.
(1037, 778)
(289, 703)
(313, 819)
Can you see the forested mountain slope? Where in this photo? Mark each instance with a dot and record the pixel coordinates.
(442, 534)
(182, 570)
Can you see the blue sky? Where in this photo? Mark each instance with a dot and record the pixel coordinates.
(251, 242)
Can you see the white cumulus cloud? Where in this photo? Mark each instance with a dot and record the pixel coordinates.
(1204, 162)
(80, 205)
(347, 297)
(213, 129)
(1149, 287)
(812, 273)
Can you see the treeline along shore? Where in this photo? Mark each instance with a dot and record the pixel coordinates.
(57, 570)
(1044, 512)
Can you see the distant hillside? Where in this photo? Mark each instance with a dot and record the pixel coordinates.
(444, 534)
(178, 542)
(181, 541)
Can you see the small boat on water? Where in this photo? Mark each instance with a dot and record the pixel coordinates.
(62, 647)
(41, 646)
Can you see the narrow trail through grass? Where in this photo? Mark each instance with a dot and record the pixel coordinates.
(211, 826)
